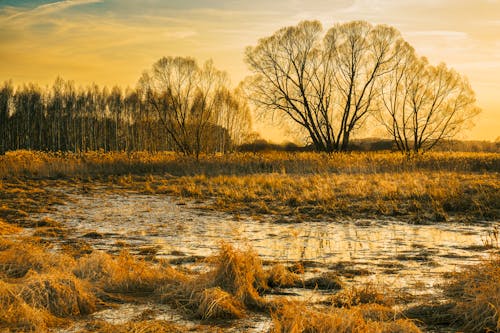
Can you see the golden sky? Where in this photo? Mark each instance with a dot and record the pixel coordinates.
(111, 42)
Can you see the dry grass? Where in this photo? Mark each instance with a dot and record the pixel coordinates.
(16, 315)
(418, 196)
(19, 258)
(57, 165)
(368, 293)
(228, 290)
(297, 318)
(215, 303)
(148, 326)
(63, 295)
(476, 293)
(124, 274)
(433, 187)
(239, 273)
(7, 228)
(281, 277)
(40, 289)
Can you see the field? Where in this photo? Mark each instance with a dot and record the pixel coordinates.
(267, 242)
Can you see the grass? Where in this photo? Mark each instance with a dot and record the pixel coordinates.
(44, 289)
(44, 286)
(412, 196)
(430, 188)
(475, 294)
(147, 326)
(297, 318)
(34, 164)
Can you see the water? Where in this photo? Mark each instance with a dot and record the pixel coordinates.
(397, 254)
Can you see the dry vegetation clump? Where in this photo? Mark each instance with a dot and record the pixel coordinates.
(36, 288)
(365, 294)
(476, 293)
(326, 281)
(215, 303)
(239, 273)
(18, 258)
(227, 291)
(62, 294)
(297, 318)
(148, 326)
(124, 274)
(16, 315)
(281, 277)
(7, 228)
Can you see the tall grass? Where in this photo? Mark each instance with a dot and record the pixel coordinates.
(56, 165)
(417, 196)
(432, 187)
(475, 292)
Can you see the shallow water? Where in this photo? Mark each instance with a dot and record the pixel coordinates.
(397, 254)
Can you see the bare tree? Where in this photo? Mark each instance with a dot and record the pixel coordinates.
(421, 104)
(234, 116)
(6, 94)
(184, 97)
(323, 84)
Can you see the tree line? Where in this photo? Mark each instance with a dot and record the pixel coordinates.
(151, 117)
(327, 85)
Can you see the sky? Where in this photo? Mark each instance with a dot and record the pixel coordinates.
(111, 42)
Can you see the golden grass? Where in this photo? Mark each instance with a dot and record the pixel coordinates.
(215, 303)
(34, 164)
(39, 289)
(367, 293)
(296, 317)
(239, 273)
(63, 295)
(433, 187)
(124, 274)
(147, 326)
(7, 228)
(281, 277)
(16, 315)
(476, 294)
(19, 258)
(228, 290)
(417, 196)
(51, 294)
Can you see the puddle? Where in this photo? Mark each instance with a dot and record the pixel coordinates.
(397, 254)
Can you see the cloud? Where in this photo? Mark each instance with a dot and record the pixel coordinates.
(449, 34)
(49, 8)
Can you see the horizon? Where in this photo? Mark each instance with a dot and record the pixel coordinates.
(111, 42)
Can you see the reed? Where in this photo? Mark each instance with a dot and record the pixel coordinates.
(475, 293)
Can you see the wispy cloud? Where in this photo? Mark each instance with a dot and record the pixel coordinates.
(439, 33)
(50, 8)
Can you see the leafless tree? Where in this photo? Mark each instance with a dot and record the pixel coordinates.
(421, 104)
(185, 98)
(234, 115)
(326, 85)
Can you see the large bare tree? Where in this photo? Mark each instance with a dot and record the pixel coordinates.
(324, 83)
(421, 104)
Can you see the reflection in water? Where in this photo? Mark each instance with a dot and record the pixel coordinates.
(393, 251)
